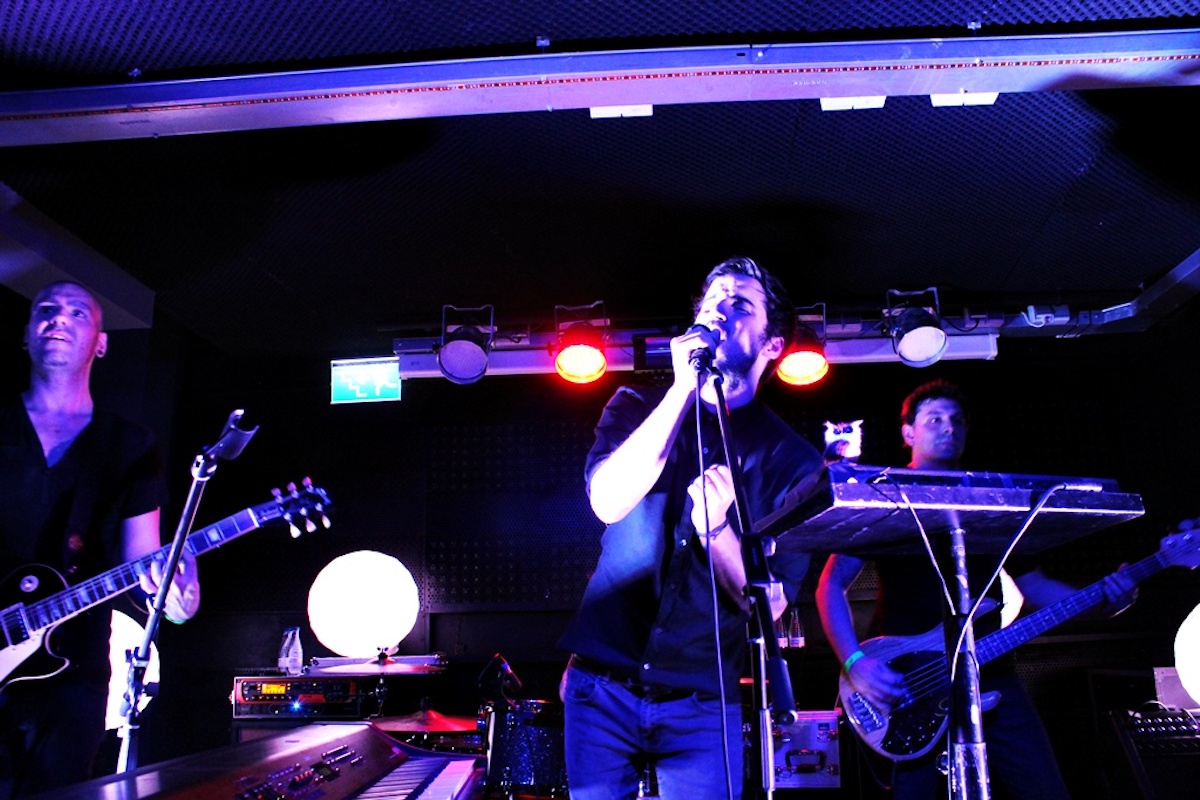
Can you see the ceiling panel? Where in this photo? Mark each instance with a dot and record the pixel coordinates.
(332, 239)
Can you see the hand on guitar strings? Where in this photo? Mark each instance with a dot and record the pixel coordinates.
(876, 681)
(183, 598)
(1120, 591)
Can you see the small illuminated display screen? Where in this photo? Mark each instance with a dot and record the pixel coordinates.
(364, 380)
(274, 688)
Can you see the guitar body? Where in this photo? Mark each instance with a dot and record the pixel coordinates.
(26, 659)
(911, 729)
(35, 598)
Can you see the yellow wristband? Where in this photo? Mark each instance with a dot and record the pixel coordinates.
(851, 660)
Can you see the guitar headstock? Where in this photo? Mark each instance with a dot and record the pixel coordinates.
(1182, 548)
(307, 502)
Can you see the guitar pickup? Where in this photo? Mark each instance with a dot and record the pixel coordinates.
(14, 625)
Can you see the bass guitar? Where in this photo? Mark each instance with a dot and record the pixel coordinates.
(911, 728)
(35, 601)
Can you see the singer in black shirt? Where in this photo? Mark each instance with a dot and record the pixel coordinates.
(646, 683)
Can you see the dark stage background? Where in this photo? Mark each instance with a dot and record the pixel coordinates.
(478, 490)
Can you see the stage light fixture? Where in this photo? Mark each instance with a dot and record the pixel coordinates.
(915, 327)
(585, 333)
(803, 367)
(580, 356)
(466, 342)
(805, 363)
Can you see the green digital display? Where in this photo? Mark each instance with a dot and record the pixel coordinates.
(364, 380)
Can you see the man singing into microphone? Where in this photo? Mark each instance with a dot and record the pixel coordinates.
(650, 682)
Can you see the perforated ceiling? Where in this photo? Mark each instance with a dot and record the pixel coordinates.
(329, 239)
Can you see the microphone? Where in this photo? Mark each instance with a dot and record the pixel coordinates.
(233, 439)
(508, 678)
(701, 357)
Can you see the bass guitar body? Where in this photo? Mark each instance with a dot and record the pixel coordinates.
(910, 729)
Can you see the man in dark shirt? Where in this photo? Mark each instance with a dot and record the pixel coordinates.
(911, 601)
(80, 491)
(650, 682)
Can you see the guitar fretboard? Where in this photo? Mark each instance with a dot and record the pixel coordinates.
(96, 590)
(997, 644)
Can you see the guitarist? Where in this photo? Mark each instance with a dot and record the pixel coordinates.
(911, 601)
(80, 491)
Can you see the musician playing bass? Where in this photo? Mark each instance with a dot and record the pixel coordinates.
(911, 601)
(80, 491)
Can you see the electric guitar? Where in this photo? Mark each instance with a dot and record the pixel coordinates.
(911, 729)
(32, 606)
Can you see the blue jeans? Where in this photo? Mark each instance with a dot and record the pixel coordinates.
(611, 734)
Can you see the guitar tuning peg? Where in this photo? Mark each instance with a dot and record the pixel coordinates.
(309, 525)
(291, 487)
(293, 530)
(278, 495)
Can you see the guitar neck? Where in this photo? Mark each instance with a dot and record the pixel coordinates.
(96, 590)
(997, 644)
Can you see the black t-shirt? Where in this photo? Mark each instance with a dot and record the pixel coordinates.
(647, 610)
(68, 516)
(911, 600)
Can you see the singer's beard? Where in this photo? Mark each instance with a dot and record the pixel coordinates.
(735, 365)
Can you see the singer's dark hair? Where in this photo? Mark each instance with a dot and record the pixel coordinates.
(781, 314)
(936, 389)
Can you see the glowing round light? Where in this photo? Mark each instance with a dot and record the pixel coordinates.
(126, 634)
(580, 357)
(1187, 654)
(361, 603)
(580, 363)
(802, 367)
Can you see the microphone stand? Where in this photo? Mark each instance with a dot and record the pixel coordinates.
(758, 582)
(968, 764)
(230, 445)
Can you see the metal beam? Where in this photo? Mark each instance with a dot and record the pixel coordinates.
(35, 251)
(1154, 304)
(418, 356)
(554, 82)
